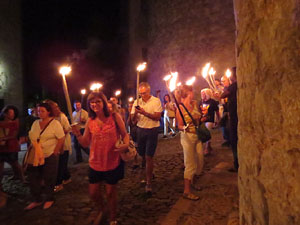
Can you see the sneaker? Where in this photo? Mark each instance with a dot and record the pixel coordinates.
(173, 135)
(48, 204)
(58, 188)
(67, 181)
(165, 136)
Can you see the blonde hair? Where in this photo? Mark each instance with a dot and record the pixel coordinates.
(208, 92)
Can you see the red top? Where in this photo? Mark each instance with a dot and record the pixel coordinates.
(11, 145)
(104, 137)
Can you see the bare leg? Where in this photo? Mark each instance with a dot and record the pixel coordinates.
(111, 191)
(187, 186)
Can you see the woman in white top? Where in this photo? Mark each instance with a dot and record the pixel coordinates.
(51, 142)
(169, 116)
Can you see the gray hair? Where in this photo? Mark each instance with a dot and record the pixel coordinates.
(145, 85)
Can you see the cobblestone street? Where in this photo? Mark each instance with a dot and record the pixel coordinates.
(219, 194)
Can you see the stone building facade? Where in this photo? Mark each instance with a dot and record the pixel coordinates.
(268, 63)
(177, 35)
(11, 77)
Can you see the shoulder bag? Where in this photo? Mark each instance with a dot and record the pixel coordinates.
(131, 152)
(202, 131)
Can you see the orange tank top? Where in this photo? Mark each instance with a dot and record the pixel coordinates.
(104, 137)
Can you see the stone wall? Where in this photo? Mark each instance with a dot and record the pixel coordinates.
(268, 69)
(11, 81)
(184, 35)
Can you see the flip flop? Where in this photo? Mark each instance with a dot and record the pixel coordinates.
(190, 196)
(33, 205)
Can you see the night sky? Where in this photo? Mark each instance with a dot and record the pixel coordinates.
(87, 34)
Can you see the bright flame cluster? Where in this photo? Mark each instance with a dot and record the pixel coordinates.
(117, 93)
(96, 87)
(141, 67)
(65, 70)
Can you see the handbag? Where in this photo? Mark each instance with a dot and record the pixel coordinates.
(34, 155)
(202, 132)
(131, 152)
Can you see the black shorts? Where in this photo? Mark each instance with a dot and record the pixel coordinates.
(110, 176)
(8, 157)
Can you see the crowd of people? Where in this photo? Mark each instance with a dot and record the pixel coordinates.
(97, 130)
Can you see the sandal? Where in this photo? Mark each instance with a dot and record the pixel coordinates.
(190, 196)
(33, 205)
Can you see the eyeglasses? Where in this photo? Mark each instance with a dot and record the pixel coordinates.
(143, 93)
(96, 102)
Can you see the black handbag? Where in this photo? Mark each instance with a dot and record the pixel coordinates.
(202, 132)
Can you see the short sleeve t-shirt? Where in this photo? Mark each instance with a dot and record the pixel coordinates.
(153, 105)
(49, 137)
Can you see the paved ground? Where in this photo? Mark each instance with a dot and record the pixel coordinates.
(219, 196)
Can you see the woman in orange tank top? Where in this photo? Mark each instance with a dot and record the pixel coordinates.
(101, 135)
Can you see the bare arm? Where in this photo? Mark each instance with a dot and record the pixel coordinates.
(84, 139)
(59, 145)
(154, 116)
(123, 132)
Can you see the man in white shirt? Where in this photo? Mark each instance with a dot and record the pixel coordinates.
(147, 113)
(80, 116)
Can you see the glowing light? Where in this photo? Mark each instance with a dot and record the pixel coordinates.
(117, 93)
(141, 67)
(228, 73)
(191, 81)
(65, 70)
(83, 91)
(179, 84)
(205, 70)
(172, 84)
(168, 77)
(96, 86)
(130, 99)
(212, 71)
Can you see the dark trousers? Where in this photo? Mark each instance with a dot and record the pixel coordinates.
(63, 172)
(233, 132)
(46, 173)
(78, 148)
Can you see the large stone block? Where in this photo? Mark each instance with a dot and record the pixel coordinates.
(267, 48)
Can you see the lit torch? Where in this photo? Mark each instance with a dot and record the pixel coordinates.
(139, 68)
(65, 70)
(83, 92)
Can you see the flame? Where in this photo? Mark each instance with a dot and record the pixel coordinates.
(228, 73)
(190, 81)
(130, 99)
(172, 84)
(117, 93)
(65, 70)
(205, 70)
(83, 91)
(167, 77)
(96, 86)
(179, 84)
(212, 71)
(141, 67)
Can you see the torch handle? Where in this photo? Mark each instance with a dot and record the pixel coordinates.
(137, 87)
(65, 88)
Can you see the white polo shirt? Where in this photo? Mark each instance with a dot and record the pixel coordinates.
(153, 105)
